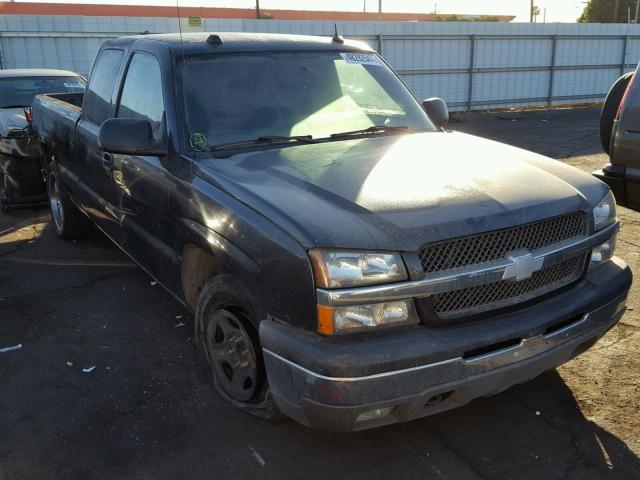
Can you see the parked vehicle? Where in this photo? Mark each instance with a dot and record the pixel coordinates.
(620, 136)
(21, 178)
(350, 262)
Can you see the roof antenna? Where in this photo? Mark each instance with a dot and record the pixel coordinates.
(180, 28)
(337, 38)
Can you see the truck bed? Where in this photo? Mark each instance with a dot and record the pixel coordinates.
(54, 121)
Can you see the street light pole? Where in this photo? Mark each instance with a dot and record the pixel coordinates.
(380, 10)
(258, 9)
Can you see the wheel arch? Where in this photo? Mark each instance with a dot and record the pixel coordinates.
(206, 254)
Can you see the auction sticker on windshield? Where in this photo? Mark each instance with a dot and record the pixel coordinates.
(361, 58)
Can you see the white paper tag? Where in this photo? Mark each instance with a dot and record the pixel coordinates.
(361, 58)
(73, 85)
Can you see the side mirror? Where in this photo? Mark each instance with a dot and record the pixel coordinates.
(437, 110)
(128, 136)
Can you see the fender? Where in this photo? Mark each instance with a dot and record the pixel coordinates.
(206, 253)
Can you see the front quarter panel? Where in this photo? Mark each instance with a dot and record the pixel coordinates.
(243, 243)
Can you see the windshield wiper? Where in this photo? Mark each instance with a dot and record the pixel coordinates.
(14, 106)
(268, 140)
(372, 129)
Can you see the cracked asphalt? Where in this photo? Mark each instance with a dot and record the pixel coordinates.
(146, 412)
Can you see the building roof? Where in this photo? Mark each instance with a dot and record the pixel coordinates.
(97, 10)
(36, 72)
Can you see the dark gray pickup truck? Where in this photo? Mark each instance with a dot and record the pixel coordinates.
(351, 262)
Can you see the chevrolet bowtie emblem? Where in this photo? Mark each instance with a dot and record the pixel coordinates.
(524, 265)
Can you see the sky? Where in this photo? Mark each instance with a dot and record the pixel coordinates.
(556, 10)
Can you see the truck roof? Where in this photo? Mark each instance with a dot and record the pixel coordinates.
(36, 72)
(193, 43)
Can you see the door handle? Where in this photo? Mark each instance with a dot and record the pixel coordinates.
(107, 163)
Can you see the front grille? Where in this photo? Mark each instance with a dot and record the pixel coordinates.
(497, 244)
(476, 300)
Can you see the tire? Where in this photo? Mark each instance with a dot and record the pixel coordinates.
(4, 201)
(610, 109)
(229, 350)
(68, 222)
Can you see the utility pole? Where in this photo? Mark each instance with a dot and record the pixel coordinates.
(544, 16)
(435, 9)
(258, 9)
(380, 10)
(531, 12)
(637, 7)
(364, 8)
(615, 11)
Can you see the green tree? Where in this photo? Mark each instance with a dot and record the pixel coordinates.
(607, 11)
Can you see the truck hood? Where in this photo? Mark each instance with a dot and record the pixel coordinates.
(402, 191)
(11, 118)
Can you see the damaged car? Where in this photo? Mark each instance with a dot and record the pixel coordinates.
(350, 261)
(21, 178)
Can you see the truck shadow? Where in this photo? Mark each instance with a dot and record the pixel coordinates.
(533, 430)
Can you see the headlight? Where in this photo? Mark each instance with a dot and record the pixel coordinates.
(343, 269)
(358, 318)
(604, 213)
(604, 251)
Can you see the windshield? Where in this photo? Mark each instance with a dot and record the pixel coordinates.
(244, 96)
(20, 91)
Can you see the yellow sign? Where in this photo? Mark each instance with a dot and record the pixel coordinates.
(195, 21)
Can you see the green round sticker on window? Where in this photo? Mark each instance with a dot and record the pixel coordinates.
(198, 141)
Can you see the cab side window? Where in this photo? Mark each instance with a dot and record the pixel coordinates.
(142, 96)
(97, 106)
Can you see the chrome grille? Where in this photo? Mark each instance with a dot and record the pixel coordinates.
(476, 300)
(497, 244)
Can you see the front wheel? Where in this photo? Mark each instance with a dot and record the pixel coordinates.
(228, 347)
(68, 221)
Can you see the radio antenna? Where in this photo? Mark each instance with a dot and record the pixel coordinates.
(336, 38)
(180, 29)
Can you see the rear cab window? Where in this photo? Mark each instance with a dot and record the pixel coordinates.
(97, 105)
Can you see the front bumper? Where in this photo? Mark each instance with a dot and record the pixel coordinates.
(335, 383)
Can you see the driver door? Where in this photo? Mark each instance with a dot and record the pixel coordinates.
(143, 183)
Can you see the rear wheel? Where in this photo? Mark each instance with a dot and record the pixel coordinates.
(610, 109)
(68, 221)
(229, 349)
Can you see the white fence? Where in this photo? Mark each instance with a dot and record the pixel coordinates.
(470, 65)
